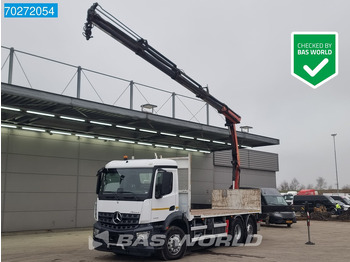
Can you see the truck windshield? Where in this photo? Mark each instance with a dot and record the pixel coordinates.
(126, 184)
(275, 200)
(288, 197)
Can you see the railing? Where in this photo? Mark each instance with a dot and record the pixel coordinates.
(38, 72)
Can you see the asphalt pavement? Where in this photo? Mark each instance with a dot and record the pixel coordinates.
(279, 243)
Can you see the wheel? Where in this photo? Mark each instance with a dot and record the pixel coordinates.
(333, 211)
(237, 231)
(249, 230)
(173, 247)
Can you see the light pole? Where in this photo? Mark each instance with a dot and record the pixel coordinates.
(335, 159)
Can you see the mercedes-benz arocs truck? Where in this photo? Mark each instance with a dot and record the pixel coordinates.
(144, 207)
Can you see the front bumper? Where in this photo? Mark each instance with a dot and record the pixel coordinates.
(282, 218)
(135, 241)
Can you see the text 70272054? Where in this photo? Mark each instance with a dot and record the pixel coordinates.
(30, 10)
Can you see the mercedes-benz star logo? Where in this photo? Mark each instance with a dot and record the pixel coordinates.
(117, 217)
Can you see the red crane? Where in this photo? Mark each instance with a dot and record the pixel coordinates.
(97, 16)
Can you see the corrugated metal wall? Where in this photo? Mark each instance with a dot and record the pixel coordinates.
(258, 169)
(250, 159)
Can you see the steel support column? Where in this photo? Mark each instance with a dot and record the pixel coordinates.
(173, 102)
(131, 94)
(12, 51)
(78, 81)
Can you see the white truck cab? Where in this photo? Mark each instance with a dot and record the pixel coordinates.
(142, 187)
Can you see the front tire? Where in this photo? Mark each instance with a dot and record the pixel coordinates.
(175, 244)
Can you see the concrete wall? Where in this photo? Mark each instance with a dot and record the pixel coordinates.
(48, 181)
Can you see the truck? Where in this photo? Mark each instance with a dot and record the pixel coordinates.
(289, 196)
(307, 192)
(144, 208)
(160, 211)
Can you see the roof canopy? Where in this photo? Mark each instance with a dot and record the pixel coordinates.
(40, 109)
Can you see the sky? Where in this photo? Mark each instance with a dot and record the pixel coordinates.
(240, 49)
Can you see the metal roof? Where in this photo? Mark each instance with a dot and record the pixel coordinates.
(101, 120)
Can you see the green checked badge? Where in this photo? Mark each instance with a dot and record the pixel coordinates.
(314, 57)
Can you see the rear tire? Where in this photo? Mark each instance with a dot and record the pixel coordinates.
(249, 230)
(173, 248)
(237, 231)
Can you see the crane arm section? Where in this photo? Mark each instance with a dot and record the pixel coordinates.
(96, 17)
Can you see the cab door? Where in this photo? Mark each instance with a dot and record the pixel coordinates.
(164, 200)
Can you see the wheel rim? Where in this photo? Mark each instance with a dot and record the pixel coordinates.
(174, 244)
(237, 232)
(250, 229)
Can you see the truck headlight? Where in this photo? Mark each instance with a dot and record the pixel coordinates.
(143, 236)
(96, 231)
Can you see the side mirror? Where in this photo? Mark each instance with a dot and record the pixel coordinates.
(98, 184)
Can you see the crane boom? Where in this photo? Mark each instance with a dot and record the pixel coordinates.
(140, 46)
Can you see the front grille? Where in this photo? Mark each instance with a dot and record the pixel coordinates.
(128, 221)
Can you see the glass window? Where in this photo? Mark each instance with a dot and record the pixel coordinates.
(346, 201)
(275, 200)
(164, 183)
(331, 199)
(127, 183)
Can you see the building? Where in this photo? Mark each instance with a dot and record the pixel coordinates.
(53, 145)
